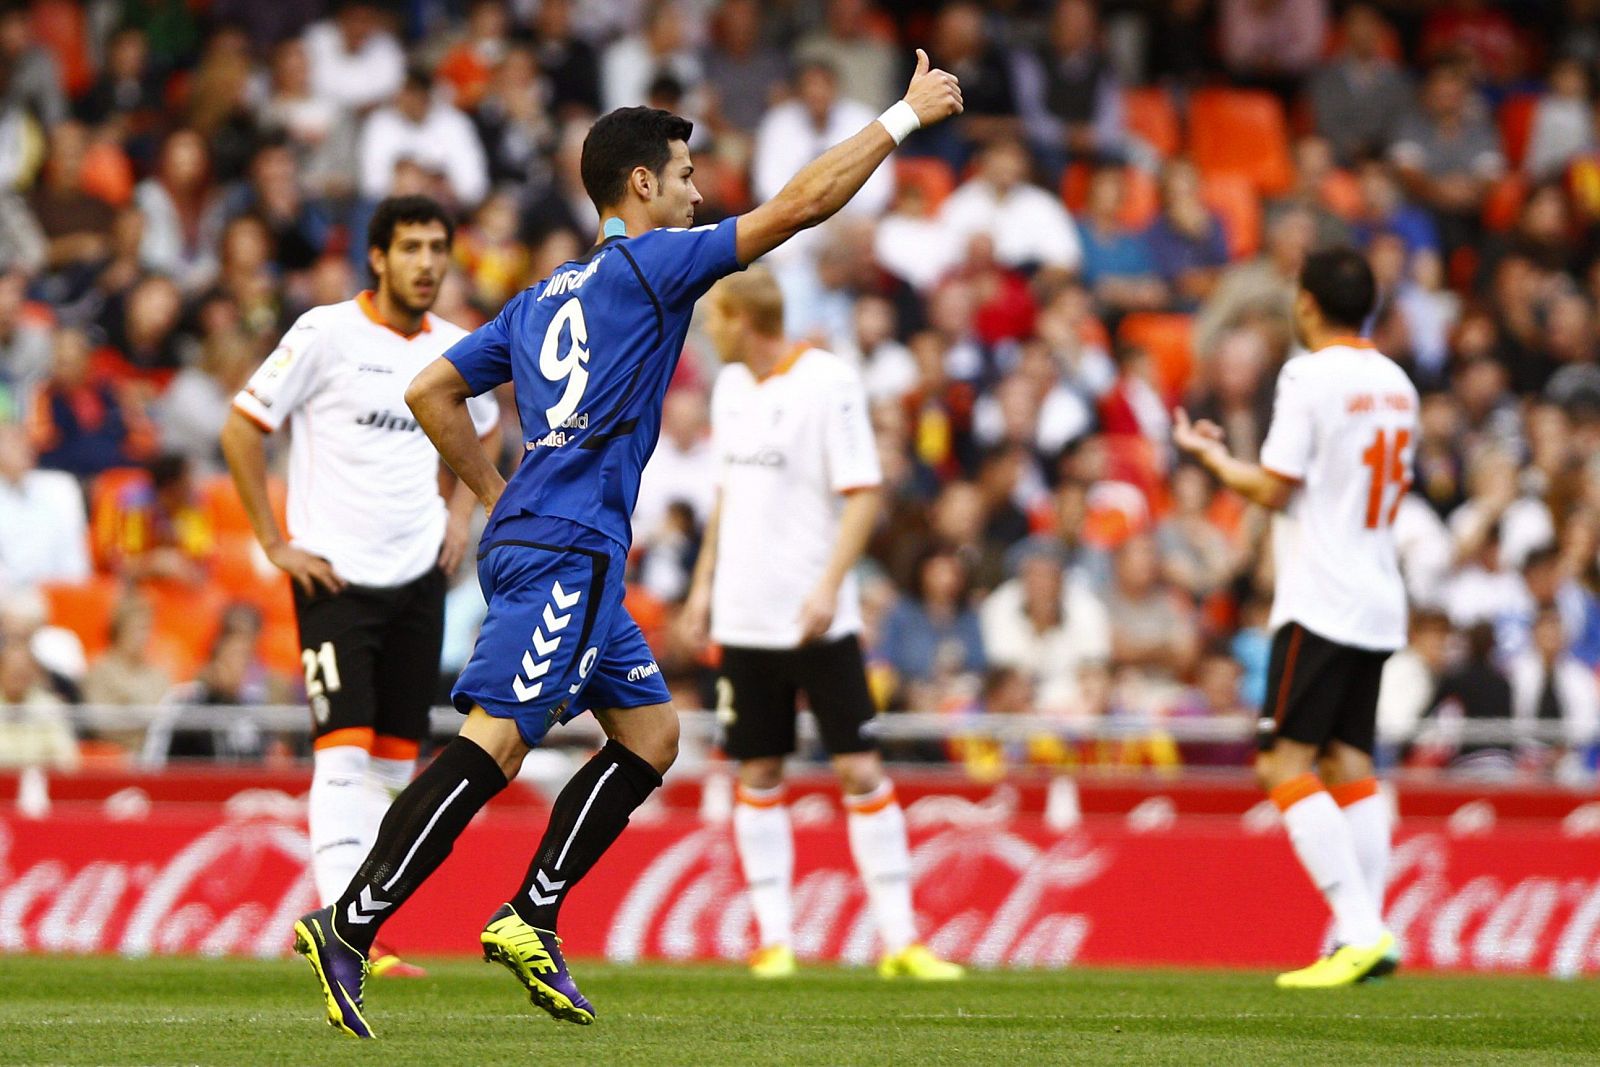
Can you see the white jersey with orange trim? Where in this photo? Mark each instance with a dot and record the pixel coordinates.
(1344, 428)
(788, 448)
(363, 477)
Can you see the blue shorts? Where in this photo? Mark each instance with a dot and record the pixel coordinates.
(557, 640)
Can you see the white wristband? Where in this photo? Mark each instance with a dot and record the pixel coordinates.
(900, 120)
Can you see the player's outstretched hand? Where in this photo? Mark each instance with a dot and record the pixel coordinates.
(1201, 439)
(934, 94)
(308, 571)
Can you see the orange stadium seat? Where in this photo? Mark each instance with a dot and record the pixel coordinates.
(1169, 338)
(1149, 113)
(1236, 202)
(85, 609)
(242, 576)
(226, 510)
(280, 647)
(1141, 199)
(1241, 131)
(932, 177)
(1516, 124)
(185, 620)
(233, 565)
(1341, 194)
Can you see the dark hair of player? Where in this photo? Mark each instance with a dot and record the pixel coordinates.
(397, 209)
(628, 137)
(1341, 283)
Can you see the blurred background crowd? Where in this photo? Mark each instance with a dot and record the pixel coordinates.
(1113, 227)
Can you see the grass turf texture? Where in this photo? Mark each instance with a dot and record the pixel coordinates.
(166, 1011)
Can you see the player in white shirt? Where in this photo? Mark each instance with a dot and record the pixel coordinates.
(799, 494)
(371, 540)
(1335, 465)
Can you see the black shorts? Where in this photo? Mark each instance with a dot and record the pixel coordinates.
(371, 657)
(1319, 691)
(757, 698)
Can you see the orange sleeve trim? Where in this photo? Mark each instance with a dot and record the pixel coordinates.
(763, 798)
(386, 747)
(1285, 477)
(1287, 794)
(859, 488)
(871, 803)
(354, 736)
(253, 417)
(1348, 793)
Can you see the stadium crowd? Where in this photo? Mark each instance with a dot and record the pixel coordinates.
(1114, 226)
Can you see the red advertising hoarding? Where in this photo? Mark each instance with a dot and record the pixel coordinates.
(1003, 892)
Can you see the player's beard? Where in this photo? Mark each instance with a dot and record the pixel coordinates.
(413, 304)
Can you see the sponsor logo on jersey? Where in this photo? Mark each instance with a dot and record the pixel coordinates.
(388, 420)
(765, 457)
(558, 437)
(374, 368)
(643, 671)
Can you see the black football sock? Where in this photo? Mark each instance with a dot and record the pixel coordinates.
(588, 816)
(416, 834)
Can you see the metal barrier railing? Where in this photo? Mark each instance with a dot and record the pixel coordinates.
(159, 724)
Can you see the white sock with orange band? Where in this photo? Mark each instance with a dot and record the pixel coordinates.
(389, 770)
(339, 812)
(877, 828)
(1322, 840)
(765, 842)
(1367, 815)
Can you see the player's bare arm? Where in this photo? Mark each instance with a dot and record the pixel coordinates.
(438, 398)
(461, 501)
(828, 182)
(1203, 441)
(860, 515)
(245, 449)
(695, 621)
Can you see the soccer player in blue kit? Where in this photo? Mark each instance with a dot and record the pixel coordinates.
(591, 350)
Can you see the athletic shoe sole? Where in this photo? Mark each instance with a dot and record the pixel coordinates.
(306, 945)
(553, 1001)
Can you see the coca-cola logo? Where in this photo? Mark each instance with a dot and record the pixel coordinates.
(234, 889)
(984, 895)
(1489, 922)
(993, 893)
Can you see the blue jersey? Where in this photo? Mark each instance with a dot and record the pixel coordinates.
(591, 350)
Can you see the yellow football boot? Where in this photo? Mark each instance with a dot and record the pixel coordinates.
(917, 962)
(1348, 965)
(774, 961)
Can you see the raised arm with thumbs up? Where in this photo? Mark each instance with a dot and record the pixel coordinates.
(828, 182)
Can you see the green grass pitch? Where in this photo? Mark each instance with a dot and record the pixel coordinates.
(182, 1011)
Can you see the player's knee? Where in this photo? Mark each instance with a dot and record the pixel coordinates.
(1268, 771)
(499, 738)
(761, 773)
(657, 740)
(859, 772)
(1345, 763)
